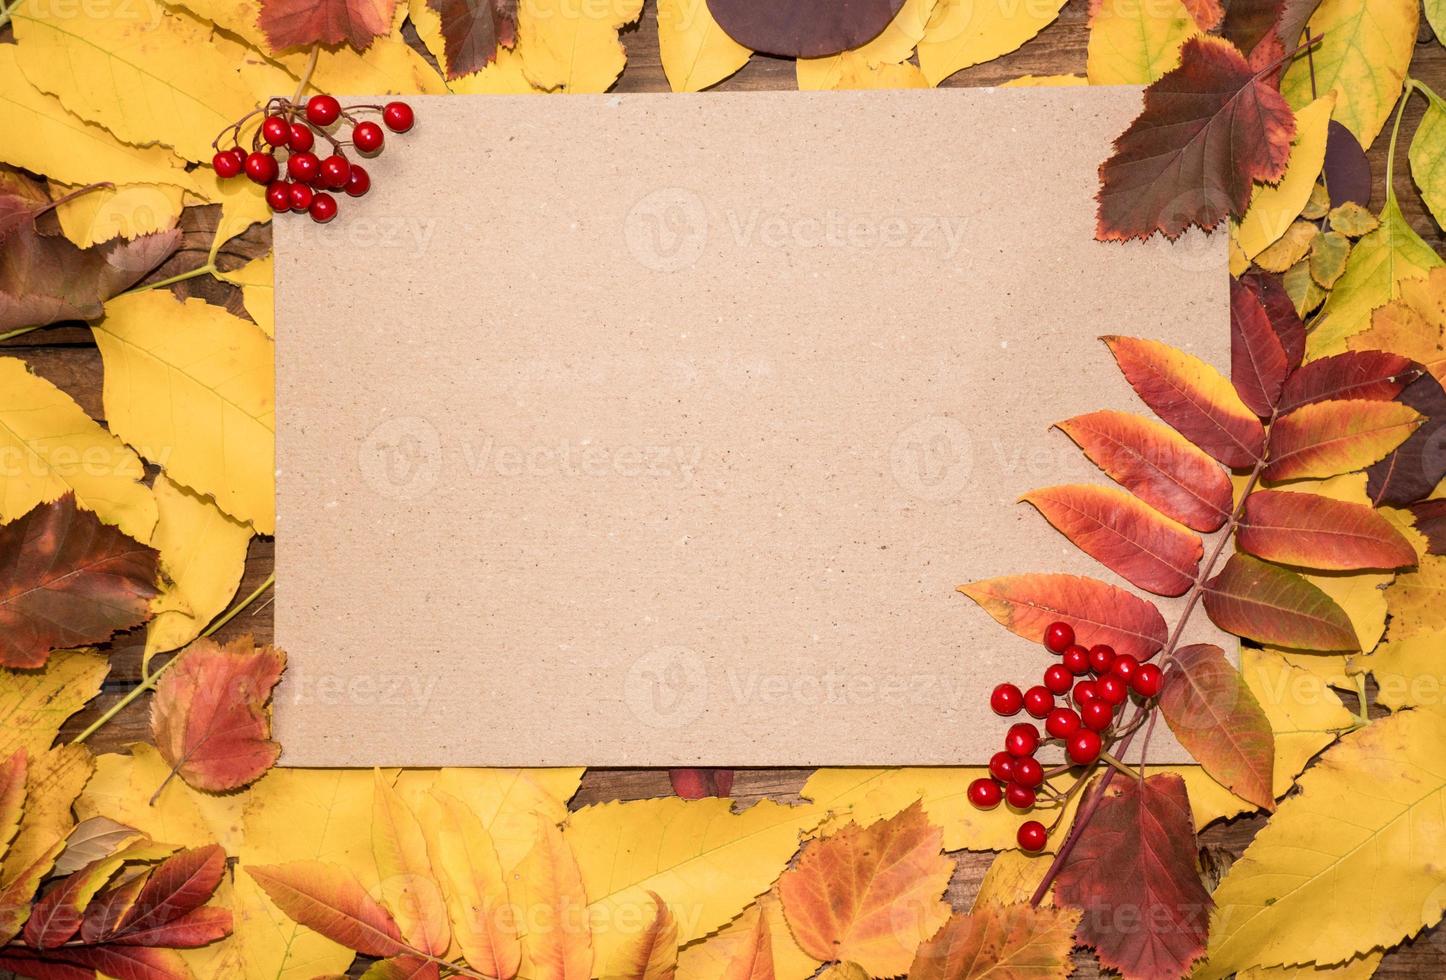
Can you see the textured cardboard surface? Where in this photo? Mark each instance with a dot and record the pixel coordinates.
(659, 430)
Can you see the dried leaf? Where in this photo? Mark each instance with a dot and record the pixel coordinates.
(407, 887)
(53, 780)
(1136, 43)
(651, 954)
(1099, 613)
(1258, 364)
(1328, 254)
(558, 943)
(962, 33)
(1353, 220)
(92, 840)
(574, 49)
(1015, 942)
(695, 51)
(1367, 375)
(1428, 155)
(57, 916)
(1311, 531)
(302, 23)
(35, 703)
(754, 959)
(209, 717)
(804, 28)
(1264, 602)
(331, 901)
(1215, 716)
(1289, 248)
(473, 30)
(1339, 436)
(1273, 207)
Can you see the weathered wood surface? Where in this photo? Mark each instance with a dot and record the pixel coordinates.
(65, 355)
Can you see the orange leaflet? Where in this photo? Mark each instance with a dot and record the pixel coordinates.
(328, 899)
(1210, 709)
(408, 888)
(1012, 942)
(558, 939)
(1098, 612)
(1312, 531)
(651, 954)
(1270, 604)
(1333, 437)
(754, 959)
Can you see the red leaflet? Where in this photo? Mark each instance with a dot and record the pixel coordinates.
(1192, 397)
(1258, 364)
(180, 884)
(803, 28)
(1369, 375)
(71, 581)
(131, 962)
(106, 910)
(301, 23)
(196, 928)
(1157, 464)
(27, 964)
(1209, 707)
(329, 900)
(1126, 536)
(1312, 531)
(472, 30)
(1280, 309)
(1098, 612)
(1329, 438)
(1273, 605)
(1210, 129)
(1133, 874)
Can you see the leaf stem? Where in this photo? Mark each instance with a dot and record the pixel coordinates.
(306, 74)
(1407, 89)
(206, 270)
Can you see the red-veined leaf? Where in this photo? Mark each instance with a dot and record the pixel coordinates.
(1258, 364)
(29, 964)
(1329, 438)
(1157, 464)
(328, 899)
(1133, 874)
(1280, 311)
(71, 580)
(1418, 465)
(803, 28)
(131, 962)
(1128, 537)
(1210, 709)
(1210, 129)
(1429, 516)
(178, 885)
(472, 31)
(1098, 612)
(1192, 397)
(198, 927)
(1312, 531)
(1274, 605)
(105, 913)
(999, 942)
(302, 23)
(58, 914)
(1368, 375)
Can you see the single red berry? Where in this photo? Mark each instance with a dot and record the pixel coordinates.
(301, 196)
(1085, 692)
(358, 181)
(1112, 690)
(1057, 636)
(278, 196)
(368, 137)
(1096, 715)
(275, 130)
(1019, 797)
(1057, 678)
(1038, 701)
(1084, 746)
(225, 164)
(1147, 680)
(1021, 739)
(1032, 836)
(1001, 766)
(300, 138)
(303, 167)
(240, 156)
(322, 110)
(1028, 772)
(1061, 723)
(1006, 700)
(398, 116)
(323, 208)
(1124, 667)
(1076, 659)
(1101, 656)
(334, 172)
(985, 793)
(262, 168)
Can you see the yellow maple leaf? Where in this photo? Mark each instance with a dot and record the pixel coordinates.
(1134, 42)
(695, 51)
(961, 33)
(35, 703)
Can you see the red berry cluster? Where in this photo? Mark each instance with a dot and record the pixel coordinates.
(1078, 700)
(293, 130)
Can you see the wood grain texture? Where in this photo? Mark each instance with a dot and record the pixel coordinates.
(65, 355)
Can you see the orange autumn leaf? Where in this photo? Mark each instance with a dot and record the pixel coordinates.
(328, 899)
(558, 939)
(399, 849)
(1332, 437)
(651, 954)
(869, 895)
(1000, 942)
(209, 718)
(754, 959)
(1098, 612)
(301, 23)
(1312, 531)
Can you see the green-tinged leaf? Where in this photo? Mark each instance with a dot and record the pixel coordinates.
(1211, 711)
(1428, 155)
(1270, 604)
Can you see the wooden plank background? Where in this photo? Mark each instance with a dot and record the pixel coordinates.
(66, 355)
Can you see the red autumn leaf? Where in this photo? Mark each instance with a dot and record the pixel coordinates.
(1258, 363)
(302, 23)
(103, 915)
(1209, 707)
(472, 30)
(1013, 942)
(803, 28)
(1210, 129)
(1368, 375)
(328, 899)
(180, 884)
(697, 784)
(199, 927)
(71, 581)
(1145, 910)
(1192, 397)
(56, 917)
(1206, 14)
(1156, 464)
(19, 891)
(1098, 612)
(131, 962)
(1312, 531)
(27, 964)
(1248, 24)
(1128, 537)
(1429, 516)
(869, 895)
(1274, 605)
(1280, 310)
(1414, 469)
(1333, 437)
(209, 717)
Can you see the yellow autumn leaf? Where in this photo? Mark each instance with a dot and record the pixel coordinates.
(122, 789)
(1428, 155)
(970, 32)
(1273, 208)
(256, 280)
(1417, 599)
(1289, 248)
(505, 76)
(271, 945)
(1045, 81)
(125, 211)
(203, 553)
(221, 960)
(408, 889)
(894, 45)
(702, 859)
(310, 815)
(1352, 220)
(191, 387)
(695, 51)
(1362, 55)
(35, 703)
(867, 795)
(651, 953)
(573, 44)
(1360, 968)
(719, 956)
(1134, 42)
(53, 780)
(1409, 671)
(1414, 324)
(49, 447)
(557, 942)
(1304, 713)
(1350, 863)
(1012, 877)
(854, 73)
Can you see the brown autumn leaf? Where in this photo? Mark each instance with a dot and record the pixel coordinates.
(869, 895)
(209, 717)
(803, 28)
(1132, 873)
(302, 23)
(1210, 129)
(72, 581)
(472, 31)
(1000, 942)
(1429, 517)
